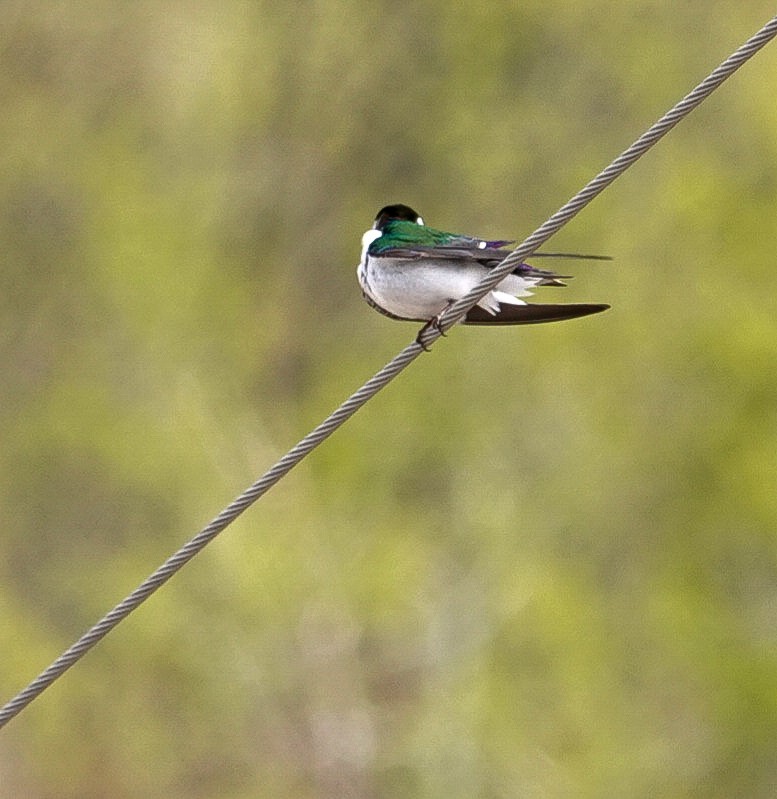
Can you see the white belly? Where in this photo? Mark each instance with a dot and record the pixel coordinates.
(420, 289)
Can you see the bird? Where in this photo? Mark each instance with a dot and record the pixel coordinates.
(412, 272)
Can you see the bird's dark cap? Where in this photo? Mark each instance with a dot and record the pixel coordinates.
(398, 211)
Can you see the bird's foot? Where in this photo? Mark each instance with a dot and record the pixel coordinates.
(433, 324)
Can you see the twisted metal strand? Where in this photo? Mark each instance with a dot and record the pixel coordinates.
(427, 335)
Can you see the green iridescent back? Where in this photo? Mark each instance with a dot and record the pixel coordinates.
(402, 234)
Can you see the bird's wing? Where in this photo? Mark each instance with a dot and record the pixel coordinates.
(447, 252)
(459, 256)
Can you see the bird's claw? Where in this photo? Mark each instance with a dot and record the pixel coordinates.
(435, 323)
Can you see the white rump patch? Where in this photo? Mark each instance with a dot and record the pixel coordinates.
(507, 299)
(491, 302)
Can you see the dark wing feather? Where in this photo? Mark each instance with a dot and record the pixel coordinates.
(453, 253)
(485, 257)
(530, 314)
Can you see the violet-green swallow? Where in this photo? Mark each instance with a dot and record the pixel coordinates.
(413, 272)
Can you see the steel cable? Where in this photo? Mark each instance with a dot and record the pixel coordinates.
(427, 335)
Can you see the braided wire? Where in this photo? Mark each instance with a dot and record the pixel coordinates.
(348, 408)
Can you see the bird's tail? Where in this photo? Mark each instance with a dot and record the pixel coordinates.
(527, 314)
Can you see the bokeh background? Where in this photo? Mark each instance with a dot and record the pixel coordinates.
(543, 562)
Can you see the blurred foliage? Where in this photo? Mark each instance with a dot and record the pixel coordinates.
(542, 563)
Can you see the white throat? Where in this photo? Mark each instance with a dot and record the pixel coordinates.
(367, 239)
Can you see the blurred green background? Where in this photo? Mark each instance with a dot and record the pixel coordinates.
(543, 562)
